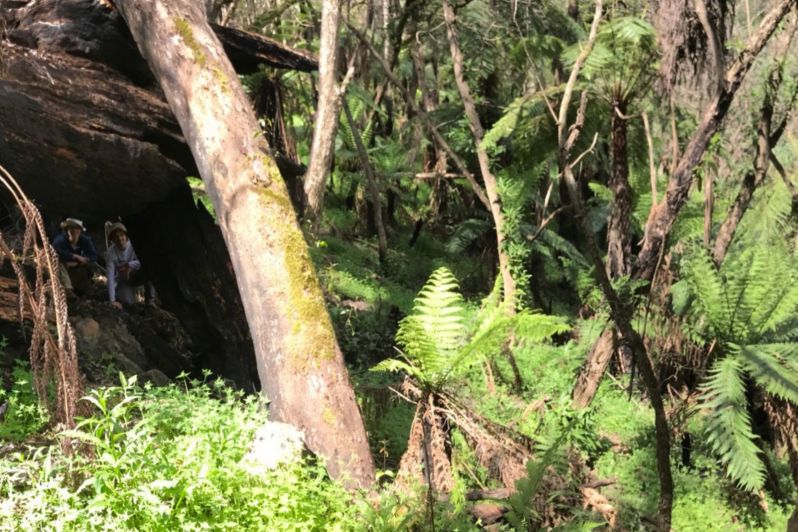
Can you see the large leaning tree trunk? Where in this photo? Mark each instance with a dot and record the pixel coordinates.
(299, 362)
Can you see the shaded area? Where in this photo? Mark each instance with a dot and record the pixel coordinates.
(86, 131)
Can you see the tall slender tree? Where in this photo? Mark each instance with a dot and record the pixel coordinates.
(327, 110)
(478, 133)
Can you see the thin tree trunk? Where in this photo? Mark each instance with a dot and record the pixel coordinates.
(371, 184)
(589, 378)
(619, 238)
(489, 180)
(434, 156)
(327, 109)
(299, 361)
(709, 206)
(425, 119)
(652, 171)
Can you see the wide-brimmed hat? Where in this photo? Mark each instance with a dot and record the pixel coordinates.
(114, 227)
(73, 222)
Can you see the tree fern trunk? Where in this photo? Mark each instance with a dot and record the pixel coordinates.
(619, 240)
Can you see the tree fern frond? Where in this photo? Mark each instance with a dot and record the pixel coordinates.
(747, 288)
(395, 365)
(768, 217)
(779, 302)
(770, 367)
(563, 246)
(700, 273)
(466, 233)
(525, 326)
(729, 428)
(436, 329)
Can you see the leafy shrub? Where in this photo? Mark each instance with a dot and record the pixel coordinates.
(24, 414)
(166, 459)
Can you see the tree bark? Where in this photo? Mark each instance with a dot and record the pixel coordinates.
(765, 140)
(664, 214)
(299, 362)
(621, 312)
(489, 180)
(619, 238)
(327, 109)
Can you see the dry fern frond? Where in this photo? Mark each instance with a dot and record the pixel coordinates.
(53, 358)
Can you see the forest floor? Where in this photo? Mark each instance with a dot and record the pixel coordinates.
(169, 457)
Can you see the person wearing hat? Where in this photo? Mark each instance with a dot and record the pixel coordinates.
(123, 268)
(76, 256)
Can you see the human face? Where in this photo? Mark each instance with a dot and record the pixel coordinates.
(119, 238)
(73, 233)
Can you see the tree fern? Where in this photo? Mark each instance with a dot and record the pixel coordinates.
(774, 367)
(467, 233)
(431, 336)
(435, 341)
(748, 306)
(729, 431)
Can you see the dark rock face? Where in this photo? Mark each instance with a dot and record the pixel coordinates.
(82, 127)
(87, 133)
(142, 341)
(186, 257)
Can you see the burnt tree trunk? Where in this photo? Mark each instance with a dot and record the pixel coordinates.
(300, 364)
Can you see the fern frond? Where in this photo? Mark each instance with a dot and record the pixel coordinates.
(779, 303)
(563, 246)
(466, 233)
(711, 298)
(729, 429)
(770, 366)
(493, 333)
(435, 331)
(768, 218)
(747, 288)
(396, 365)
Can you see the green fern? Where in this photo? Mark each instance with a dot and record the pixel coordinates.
(432, 335)
(748, 307)
(729, 430)
(435, 340)
(773, 366)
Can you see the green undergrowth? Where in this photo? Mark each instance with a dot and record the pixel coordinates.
(366, 298)
(24, 415)
(172, 458)
(165, 459)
